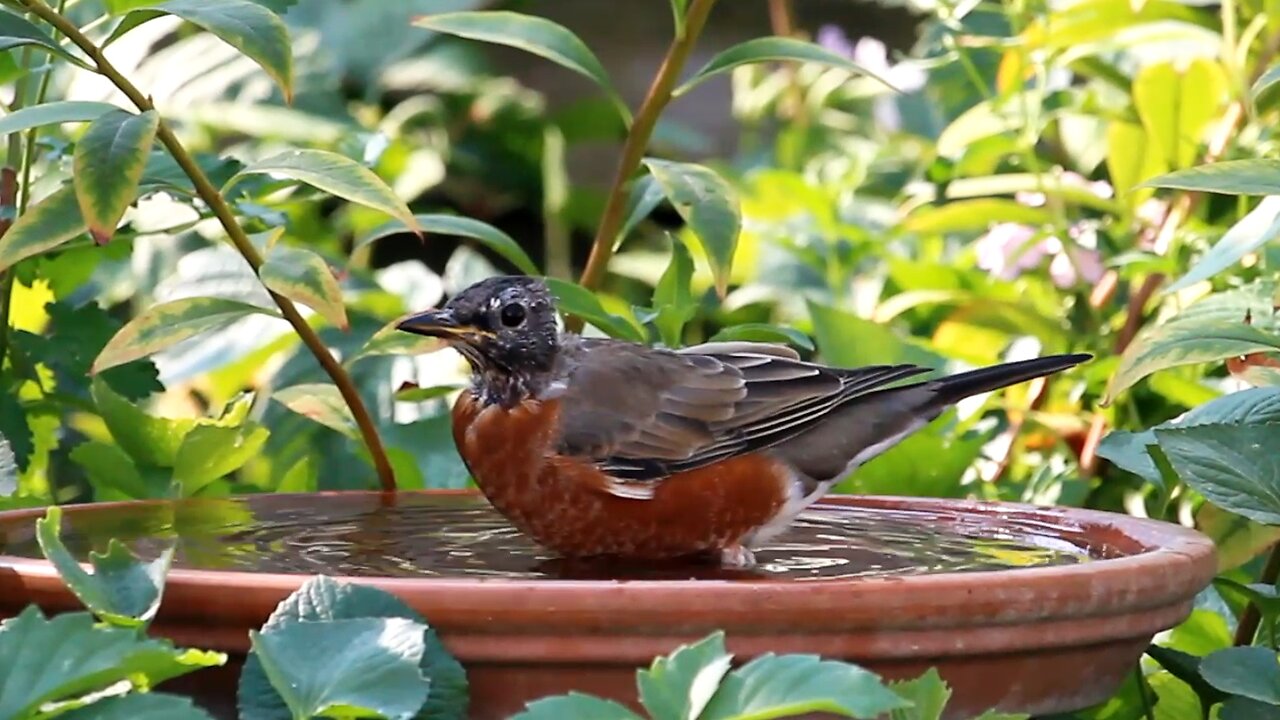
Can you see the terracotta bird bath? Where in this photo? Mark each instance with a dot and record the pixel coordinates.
(1024, 609)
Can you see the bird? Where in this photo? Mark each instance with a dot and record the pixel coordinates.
(597, 447)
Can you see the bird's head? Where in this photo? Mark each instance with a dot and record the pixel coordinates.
(504, 326)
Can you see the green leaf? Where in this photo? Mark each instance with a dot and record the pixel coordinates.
(52, 113)
(1257, 176)
(304, 277)
(681, 684)
(367, 666)
(335, 174)
(488, 236)
(971, 216)
(210, 452)
(1241, 708)
(928, 695)
(847, 340)
(1265, 82)
(645, 195)
(536, 35)
(111, 470)
(1185, 343)
(67, 657)
(144, 706)
(775, 686)
(575, 705)
(244, 25)
(121, 590)
(1254, 230)
(1238, 539)
(771, 49)
(1185, 667)
(1233, 466)
(1250, 672)
(17, 31)
(710, 207)
(108, 163)
(321, 402)
(390, 340)
(1177, 103)
(1132, 157)
(8, 468)
(16, 430)
(49, 224)
(672, 297)
(573, 299)
(169, 323)
(149, 440)
(321, 599)
(764, 332)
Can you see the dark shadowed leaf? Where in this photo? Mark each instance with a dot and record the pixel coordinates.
(321, 402)
(1185, 667)
(1256, 176)
(109, 160)
(149, 440)
(772, 49)
(645, 195)
(681, 684)
(710, 207)
(17, 31)
(48, 224)
(52, 113)
(1233, 466)
(488, 235)
(16, 430)
(166, 324)
(1251, 672)
(121, 590)
(764, 332)
(335, 174)
(772, 686)
(140, 706)
(573, 299)
(536, 35)
(575, 705)
(1242, 708)
(304, 277)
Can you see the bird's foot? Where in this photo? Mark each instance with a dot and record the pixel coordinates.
(738, 557)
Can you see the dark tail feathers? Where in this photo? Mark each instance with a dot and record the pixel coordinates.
(962, 385)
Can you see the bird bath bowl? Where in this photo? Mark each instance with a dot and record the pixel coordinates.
(1024, 609)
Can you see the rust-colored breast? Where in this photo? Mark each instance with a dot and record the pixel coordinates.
(561, 502)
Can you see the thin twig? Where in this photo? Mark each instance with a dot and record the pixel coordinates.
(215, 201)
(1248, 626)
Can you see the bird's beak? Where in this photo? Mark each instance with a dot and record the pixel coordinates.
(433, 323)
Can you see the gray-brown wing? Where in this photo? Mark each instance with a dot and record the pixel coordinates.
(642, 414)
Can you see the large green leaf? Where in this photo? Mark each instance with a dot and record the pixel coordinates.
(321, 402)
(771, 49)
(1254, 230)
(52, 113)
(16, 31)
(149, 440)
(488, 235)
(67, 657)
(1256, 176)
(1251, 672)
(144, 706)
(710, 207)
(321, 599)
(335, 174)
(536, 35)
(681, 684)
(847, 340)
(575, 705)
(1177, 103)
(121, 590)
(49, 224)
(774, 686)
(673, 300)
(1233, 466)
(210, 452)
(573, 299)
(764, 332)
(166, 324)
(112, 471)
(1238, 539)
(1186, 342)
(243, 24)
(109, 160)
(304, 277)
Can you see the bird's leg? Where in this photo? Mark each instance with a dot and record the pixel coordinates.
(737, 556)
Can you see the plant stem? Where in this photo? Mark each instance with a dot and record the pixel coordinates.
(1248, 626)
(9, 199)
(636, 144)
(215, 201)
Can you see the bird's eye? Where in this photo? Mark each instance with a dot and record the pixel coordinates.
(512, 314)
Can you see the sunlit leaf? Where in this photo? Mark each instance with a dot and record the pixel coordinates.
(1132, 158)
(335, 174)
(787, 685)
(210, 452)
(488, 235)
(52, 113)
(140, 706)
(772, 49)
(1238, 539)
(708, 204)
(1255, 176)
(149, 440)
(166, 324)
(321, 402)
(303, 276)
(672, 297)
(1177, 103)
(681, 684)
(1253, 231)
(49, 224)
(111, 470)
(972, 216)
(1186, 343)
(573, 299)
(109, 160)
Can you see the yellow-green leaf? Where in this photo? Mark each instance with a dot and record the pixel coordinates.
(536, 35)
(488, 235)
(48, 224)
(163, 325)
(335, 174)
(710, 207)
(1177, 104)
(1131, 159)
(321, 402)
(770, 49)
(53, 113)
(303, 276)
(109, 160)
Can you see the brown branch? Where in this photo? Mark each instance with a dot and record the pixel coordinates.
(1248, 626)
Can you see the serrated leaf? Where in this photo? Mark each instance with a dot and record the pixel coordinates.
(140, 706)
(773, 49)
(50, 223)
(121, 590)
(244, 25)
(764, 332)
(304, 277)
(1254, 230)
(532, 34)
(52, 113)
(488, 236)
(1256, 176)
(17, 31)
(110, 469)
(321, 402)
(928, 695)
(16, 430)
(573, 299)
(773, 686)
(67, 657)
(166, 324)
(210, 452)
(680, 685)
(1251, 672)
(1233, 466)
(710, 207)
(335, 174)
(575, 705)
(108, 163)
(149, 440)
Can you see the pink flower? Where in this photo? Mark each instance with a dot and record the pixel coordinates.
(1008, 249)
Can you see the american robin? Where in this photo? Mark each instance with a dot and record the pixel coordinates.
(601, 447)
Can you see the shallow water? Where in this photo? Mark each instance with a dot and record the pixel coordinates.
(423, 536)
